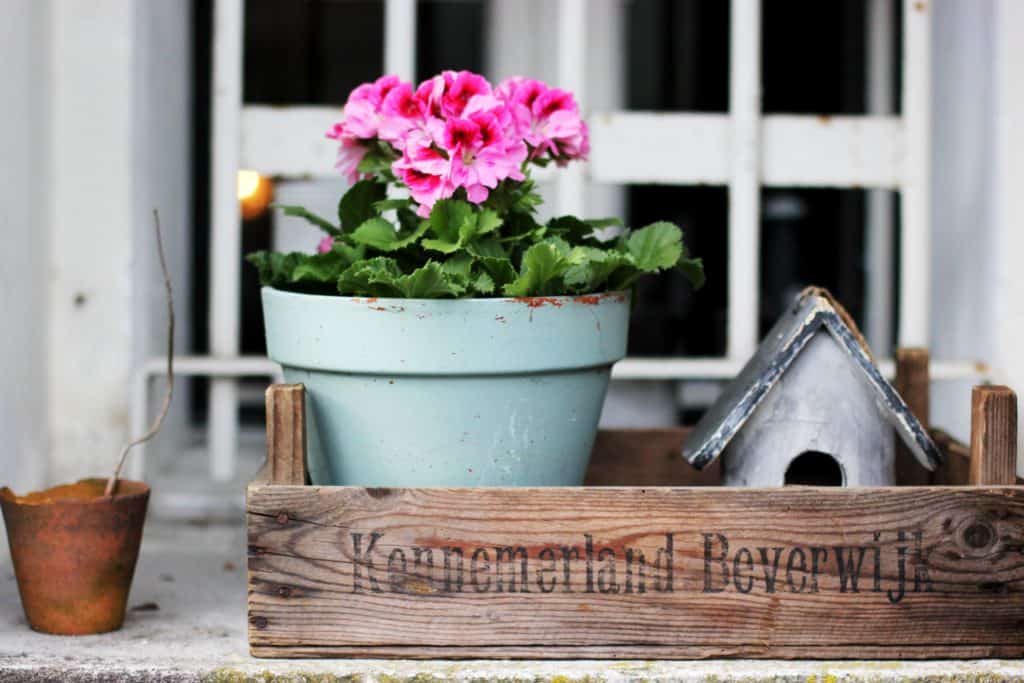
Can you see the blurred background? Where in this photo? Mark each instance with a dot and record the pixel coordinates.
(872, 147)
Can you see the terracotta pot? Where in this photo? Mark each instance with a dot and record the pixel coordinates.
(74, 553)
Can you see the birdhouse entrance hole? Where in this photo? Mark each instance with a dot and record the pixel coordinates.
(814, 468)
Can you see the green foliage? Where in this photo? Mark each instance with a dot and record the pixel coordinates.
(498, 248)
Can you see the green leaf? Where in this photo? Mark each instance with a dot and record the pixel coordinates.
(447, 218)
(386, 204)
(487, 248)
(356, 206)
(459, 266)
(570, 227)
(604, 222)
(592, 267)
(441, 246)
(302, 212)
(541, 272)
(380, 234)
(430, 282)
(487, 221)
(656, 246)
(275, 268)
(691, 268)
(377, 233)
(500, 269)
(483, 283)
(374, 277)
(321, 268)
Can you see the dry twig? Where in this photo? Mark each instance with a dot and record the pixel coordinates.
(169, 394)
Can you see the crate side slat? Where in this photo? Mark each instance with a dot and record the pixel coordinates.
(645, 457)
(303, 589)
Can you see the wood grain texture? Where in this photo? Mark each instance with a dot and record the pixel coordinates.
(913, 384)
(955, 470)
(339, 571)
(286, 433)
(993, 435)
(645, 457)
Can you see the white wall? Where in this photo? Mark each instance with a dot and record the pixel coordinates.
(23, 234)
(94, 132)
(977, 198)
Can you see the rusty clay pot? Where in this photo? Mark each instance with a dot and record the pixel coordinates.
(74, 553)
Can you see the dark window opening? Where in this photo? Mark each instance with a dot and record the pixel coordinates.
(814, 468)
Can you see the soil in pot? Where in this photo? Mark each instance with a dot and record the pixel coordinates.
(74, 552)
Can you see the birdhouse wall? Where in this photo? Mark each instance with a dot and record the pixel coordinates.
(822, 403)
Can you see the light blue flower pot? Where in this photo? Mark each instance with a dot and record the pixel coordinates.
(470, 392)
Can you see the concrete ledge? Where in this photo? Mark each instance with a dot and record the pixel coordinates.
(189, 625)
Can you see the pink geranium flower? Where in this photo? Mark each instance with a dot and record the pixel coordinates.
(455, 131)
(325, 245)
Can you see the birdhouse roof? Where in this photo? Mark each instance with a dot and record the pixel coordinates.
(814, 310)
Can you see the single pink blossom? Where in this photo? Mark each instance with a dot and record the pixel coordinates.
(481, 155)
(363, 113)
(460, 88)
(325, 245)
(557, 126)
(426, 172)
(350, 152)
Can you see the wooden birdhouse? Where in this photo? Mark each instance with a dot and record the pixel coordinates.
(810, 407)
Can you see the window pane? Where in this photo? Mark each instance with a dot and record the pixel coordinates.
(678, 55)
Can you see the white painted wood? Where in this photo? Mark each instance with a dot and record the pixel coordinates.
(25, 195)
(636, 147)
(289, 141)
(723, 368)
(225, 238)
(823, 404)
(572, 76)
(117, 146)
(831, 151)
(400, 38)
(744, 180)
(676, 149)
(1009, 197)
(916, 252)
(879, 226)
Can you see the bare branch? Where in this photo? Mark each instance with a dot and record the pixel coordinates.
(169, 394)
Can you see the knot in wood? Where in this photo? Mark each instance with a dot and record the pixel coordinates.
(258, 622)
(282, 518)
(284, 591)
(979, 535)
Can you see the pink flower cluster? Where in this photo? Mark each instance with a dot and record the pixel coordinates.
(457, 131)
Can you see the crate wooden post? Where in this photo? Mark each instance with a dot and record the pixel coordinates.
(993, 436)
(912, 383)
(286, 434)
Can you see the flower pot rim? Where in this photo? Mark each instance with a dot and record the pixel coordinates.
(135, 490)
(612, 296)
(444, 337)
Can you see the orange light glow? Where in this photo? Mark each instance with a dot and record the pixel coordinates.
(255, 193)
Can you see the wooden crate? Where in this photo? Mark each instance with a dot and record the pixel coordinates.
(649, 560)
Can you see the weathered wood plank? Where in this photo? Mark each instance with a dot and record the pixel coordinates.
(286, 433)
(955, 470)
(556, 571)
(766, 651)
(645, 457)
(913, 384)
(993, 435)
